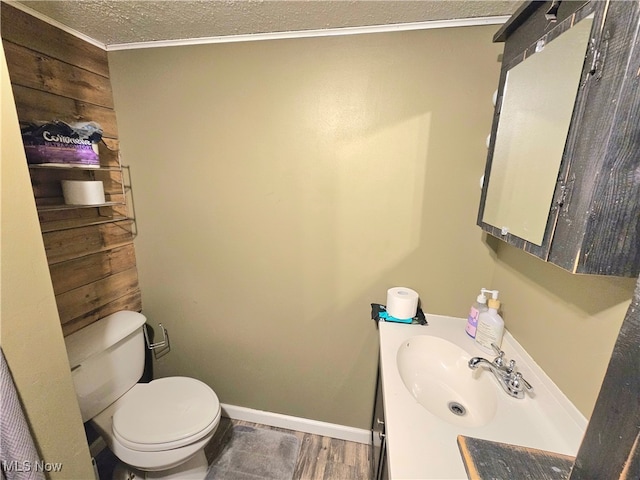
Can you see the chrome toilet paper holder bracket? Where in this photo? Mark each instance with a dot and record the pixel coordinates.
(159, 348)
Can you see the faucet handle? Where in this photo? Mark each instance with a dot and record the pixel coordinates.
(499, 360)
(527, 385)
(517, 382)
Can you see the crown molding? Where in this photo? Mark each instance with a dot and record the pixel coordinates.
(330, 32)
(252, 37)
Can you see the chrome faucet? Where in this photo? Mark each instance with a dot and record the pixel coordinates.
(508, 377)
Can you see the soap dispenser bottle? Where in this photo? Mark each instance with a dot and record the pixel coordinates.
(490, 326)
(477, 308)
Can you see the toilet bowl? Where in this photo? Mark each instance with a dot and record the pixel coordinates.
(158, 430)
(158, 425)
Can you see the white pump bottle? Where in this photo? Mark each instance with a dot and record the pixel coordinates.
(477, 308)
(490, 326)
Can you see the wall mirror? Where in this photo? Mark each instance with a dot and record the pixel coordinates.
(535, 111)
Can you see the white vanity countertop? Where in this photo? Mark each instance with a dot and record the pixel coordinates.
(421, 445)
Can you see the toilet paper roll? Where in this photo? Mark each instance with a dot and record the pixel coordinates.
(83, 192)
(402, 302)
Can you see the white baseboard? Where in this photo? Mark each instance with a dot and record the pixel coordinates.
(305, 425)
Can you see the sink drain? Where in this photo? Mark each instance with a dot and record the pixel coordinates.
(457, 409)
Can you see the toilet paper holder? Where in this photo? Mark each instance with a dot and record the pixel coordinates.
(159, 348)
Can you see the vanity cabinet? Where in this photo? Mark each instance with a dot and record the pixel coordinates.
(378, 441)
(562, 179)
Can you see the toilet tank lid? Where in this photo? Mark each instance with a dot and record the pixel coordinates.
(101, 335)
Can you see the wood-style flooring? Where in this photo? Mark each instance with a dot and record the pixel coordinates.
(320, 458)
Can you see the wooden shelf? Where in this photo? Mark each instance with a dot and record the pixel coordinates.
(61, 166)
(58, 225)
(55, 208)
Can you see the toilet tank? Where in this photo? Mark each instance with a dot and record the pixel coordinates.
(106, 360)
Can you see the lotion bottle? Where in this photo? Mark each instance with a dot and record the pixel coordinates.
(477, 308)
(490, 326)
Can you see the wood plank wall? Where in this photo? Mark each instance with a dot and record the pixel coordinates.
(55, 75)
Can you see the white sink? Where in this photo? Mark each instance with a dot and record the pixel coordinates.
(436, 372)
(425, 368)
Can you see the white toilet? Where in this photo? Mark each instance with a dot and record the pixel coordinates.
(159, 429)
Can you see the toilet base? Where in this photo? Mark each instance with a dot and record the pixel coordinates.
(194, 469)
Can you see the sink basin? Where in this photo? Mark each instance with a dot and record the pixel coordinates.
(436, 372)
(424, 368)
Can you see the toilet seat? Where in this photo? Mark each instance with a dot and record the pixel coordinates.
(166, 413)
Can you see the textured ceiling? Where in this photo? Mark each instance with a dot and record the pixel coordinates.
(113, 22)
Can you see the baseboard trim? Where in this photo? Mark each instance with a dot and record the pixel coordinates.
(305, 425)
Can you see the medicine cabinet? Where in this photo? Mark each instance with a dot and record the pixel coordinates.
(562, 179)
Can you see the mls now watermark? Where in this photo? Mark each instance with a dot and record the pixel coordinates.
(28, 466)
